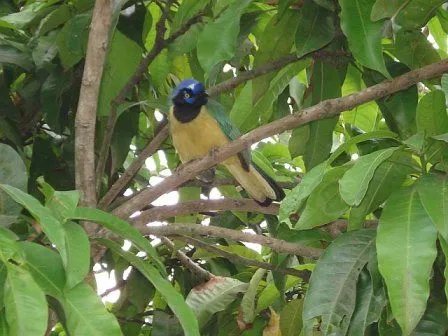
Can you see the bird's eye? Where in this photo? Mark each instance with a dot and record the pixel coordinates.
(186, 95)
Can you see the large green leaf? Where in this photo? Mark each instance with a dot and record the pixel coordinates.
(50, 225)
(24, 300)
(385, 9)
(121, 228)
(325, 203)
(14, 173)
(326, 84)
(86, 315)
(315, 29)
(355, 182)
(399, 109)
(248, 302)
(431, 114)
(406, 244)
(364, 36)
(241, 114)
(72, 39)
(122, 62)
(213, 50)
(62, 203)
(416, 13)
(294, 201)
(46, 268)
(332, 291)
(11, 55)
(413, 49)
(291, 318)
(78, 254)
(388, 177)
(433, 191)
(172, 297)
(213, 296)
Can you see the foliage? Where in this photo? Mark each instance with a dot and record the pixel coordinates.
(378, 171)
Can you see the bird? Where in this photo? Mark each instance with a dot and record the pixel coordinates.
(199, 126)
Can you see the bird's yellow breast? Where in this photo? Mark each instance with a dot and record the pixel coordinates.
(194, 139)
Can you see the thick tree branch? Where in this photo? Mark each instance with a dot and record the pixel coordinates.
(87, 104)
(201, 230)
(187, 262)
(166, 211)
(124, 180)
(235, 258)
(160, 43)
(325, 109)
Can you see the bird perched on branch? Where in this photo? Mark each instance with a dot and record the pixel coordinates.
(197, 128)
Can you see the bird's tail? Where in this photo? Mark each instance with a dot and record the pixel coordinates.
(259, 185)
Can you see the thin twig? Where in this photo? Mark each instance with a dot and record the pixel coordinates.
(153, 145)
(235, 258)
(158, 213)
(202, 230)
(118, 286)
(325, 109)
(187, 262)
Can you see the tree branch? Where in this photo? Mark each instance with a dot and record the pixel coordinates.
(187, 262)
(159, 137)
(201, 230)
(235, 258)
(158, 213)
(325, 109)
(87, 105)
(160, 43)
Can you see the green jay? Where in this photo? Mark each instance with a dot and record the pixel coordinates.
(197, 127)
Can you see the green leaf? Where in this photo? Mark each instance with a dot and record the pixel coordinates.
(355, 182)
(241, 114)
(431, 114)
(53, 20)
(172, 297)
(24, 300)
(388, 177)
(406, 248)
(4, 329)
(364, 297)
(325, 203)
(413, 49)
(11, 55)
(248, 302)
(398, 109)
(186, 10)
(212, 50)
(358, 139)
(46, 268)
(78, 254)
(122, 62)
(213, 296)
(364, 36)
(326, 85)
(14, 173)
(72, 39)
(385, 9)
(86, 314)
(315, 29)
(416, 13)
(294, 201)
(50, 225)
(298, 140)
(434, 322)
(262, 108)
(433, 192)
(291, 318)
(122, 229)
(29, 14)
(62, 203)
(332, 290)
(444, 246)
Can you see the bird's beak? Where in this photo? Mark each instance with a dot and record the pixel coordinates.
(205, 94)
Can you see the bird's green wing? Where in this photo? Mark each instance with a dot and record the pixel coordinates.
(217, 111)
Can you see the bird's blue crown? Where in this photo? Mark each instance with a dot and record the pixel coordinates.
(190, 88)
